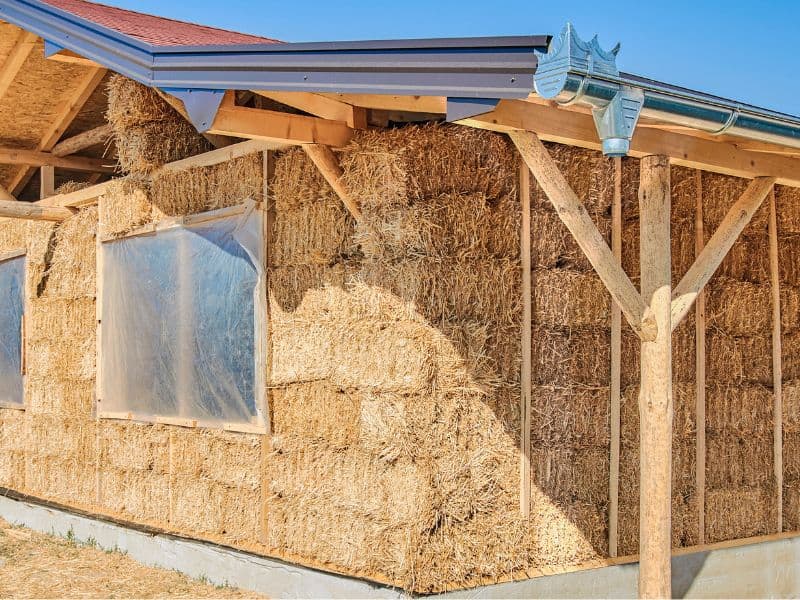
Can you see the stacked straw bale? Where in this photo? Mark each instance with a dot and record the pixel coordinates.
(684, 497)
(147, 131)
(740, 486)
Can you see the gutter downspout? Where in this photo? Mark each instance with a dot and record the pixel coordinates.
(574, 71)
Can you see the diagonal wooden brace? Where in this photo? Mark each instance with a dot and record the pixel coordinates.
(572, 212)
(325, 160)
(711, 256)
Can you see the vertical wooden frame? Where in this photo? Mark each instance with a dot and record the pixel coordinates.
(777, 366)
(700, 369)
(616, 368)
(98, 394)
(527, 316)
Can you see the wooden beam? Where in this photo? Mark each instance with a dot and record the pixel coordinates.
(6, 195)
(320, 106)
(423, 104)
(572, 212)
(718, 246)
(616, 369)
(279, 127)
(325, 160)
(221, 155)
(655, 395)
(36, 158)
(23, 46)
(578, 129)
(67, 111)
(72, 58)
(700, 367)
(47, 182)
(777, 365)
(33, 211)
(87, 139)
(526, 373)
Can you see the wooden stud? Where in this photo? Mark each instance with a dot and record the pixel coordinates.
(718, 246)
(655, 397)
(33, 211)
(81, 141)
(573, 214)
(700, 368)
(777, 366)
(616, 369)
(47, 182)
(325, 160)
(526, 374)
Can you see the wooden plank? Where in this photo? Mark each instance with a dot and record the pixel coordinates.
(718, 246)
(244, 428)
(325, 160)
(35, 212)
(175, 421)
(777, 366)
(421, 104)
(320, 106)
(278, 127)
(81, 141)
(700, 368)
(221, 155)
(616, 369)
(526, 375)
(47, 182)
(37, 158)
(98, 383)
(77, 199)
(572, 212)
(577, 129)
(23, 46)
(71, 58)
(4, 256)
(655, 396)
(67, 111)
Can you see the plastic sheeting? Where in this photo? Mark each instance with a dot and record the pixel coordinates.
(12, 302)
(178, 316)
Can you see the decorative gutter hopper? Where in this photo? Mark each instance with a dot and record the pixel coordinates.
(573, 70)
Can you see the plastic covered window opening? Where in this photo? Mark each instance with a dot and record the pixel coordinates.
(12, 288)
(178, 318)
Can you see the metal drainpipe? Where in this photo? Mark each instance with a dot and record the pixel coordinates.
(574, 71)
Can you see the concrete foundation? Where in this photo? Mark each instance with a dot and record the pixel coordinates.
(768, 569)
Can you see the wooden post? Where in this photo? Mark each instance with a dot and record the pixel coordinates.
(777, 366)
(700, 368)
(616, 366)
(47, 182)
(526, 372)
(655, 398)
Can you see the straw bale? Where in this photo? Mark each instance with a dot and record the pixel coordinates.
(790, 394)
(141, 495)
(466, 225)
(741, 409)
(200, 189)
(739, 359)
(453, 290)
(60, 319)
(684, 524)
(720, 192)
(683, 354)
(735, 513)
(318, 234)
(682, 247)
(734, 461)
(12, 433)
(788, 259)
(581, 358)
(297, 181)
(573, 417)
(423, 161)
(71, 265)
(206, 507)
(144, 148)
(289, 285)
(571, 299)
(135, 446)
(747, 260)
(58, 437)
(683, 188)
(552, 245)
(12, 469)
(684, 421)
(131, 103)
(208, 454)
(684, 463)
(68, 481)
(787, 203)
(13, 235)
(572, 474)
(791, 505)
(790, 309)
(72, 186)
(739, 308)
(62, 359)
(790, 355)
(67, 397)
(125, 205)
(791, 456)
(490, 352)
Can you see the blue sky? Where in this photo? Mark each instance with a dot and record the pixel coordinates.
(744, 50)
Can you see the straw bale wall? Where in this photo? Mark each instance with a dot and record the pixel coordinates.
(394, 366)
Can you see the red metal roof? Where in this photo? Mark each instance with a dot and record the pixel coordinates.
(158, 31)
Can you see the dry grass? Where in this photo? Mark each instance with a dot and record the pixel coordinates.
(34, 565)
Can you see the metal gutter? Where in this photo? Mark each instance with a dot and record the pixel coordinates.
(574, 71)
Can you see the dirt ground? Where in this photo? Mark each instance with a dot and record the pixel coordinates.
(34, 565)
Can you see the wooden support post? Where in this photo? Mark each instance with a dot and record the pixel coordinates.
(47, 182)
(777, 366)
(574, 216)
(700, 368)
(527, 316)
(616, 368)
(325, 160)
(655, 398)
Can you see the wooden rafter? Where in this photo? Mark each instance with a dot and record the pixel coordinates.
(320, 106)
(70, 57)
(718, 246)
(81, 141)
(23, 47)
(68, 110)
(572, 212)
(35, 158)
(325, 160)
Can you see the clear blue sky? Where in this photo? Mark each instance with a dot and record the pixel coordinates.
(744, 50)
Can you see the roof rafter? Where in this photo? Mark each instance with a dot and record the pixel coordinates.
(23, 47)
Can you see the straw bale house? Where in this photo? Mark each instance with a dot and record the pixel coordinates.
(260, 297)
